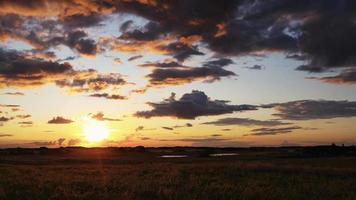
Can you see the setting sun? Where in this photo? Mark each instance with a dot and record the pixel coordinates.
(95, 131)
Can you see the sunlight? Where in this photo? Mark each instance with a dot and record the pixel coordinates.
(95, 131)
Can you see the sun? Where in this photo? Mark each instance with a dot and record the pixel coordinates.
(95, 131)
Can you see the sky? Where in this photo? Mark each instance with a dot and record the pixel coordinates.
(229, 73)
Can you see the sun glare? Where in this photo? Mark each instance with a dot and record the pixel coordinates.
(95, 131)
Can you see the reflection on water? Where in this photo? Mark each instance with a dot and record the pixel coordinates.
(173, 156)
(223, 154)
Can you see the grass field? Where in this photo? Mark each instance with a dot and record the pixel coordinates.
(147, 176)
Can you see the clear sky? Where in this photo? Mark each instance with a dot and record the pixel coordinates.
(152, 73)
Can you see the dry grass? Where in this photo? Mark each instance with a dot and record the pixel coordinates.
(47, 177)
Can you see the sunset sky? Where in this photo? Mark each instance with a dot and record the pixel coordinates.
(177, 73)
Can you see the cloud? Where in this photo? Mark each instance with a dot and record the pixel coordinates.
(347, 76)
(145, 138)
(109, 96)
(165, 64)
(177, 126)
(82, 20)
(180, 51)
(176, 76)
(314, 109)
(273, 131)
(190, 106)
(185, 125)
(170, 72)
(222, 62)
(134, 58)
(59, 120)
(93, 82)
(142, 128)
(100, 117)
(60, 141)
(150, 31)
(235, 28)
(126, 25)
(14, 93)
(6, 135)
(18, 71)
(73, 142)
(23, 116)
(5, 119)
(117, 61)
(9, 106)
(45, 8)
(167, 128)
(139, 128)
(245, 122)
(255, 67)
(78, 41)
(26, 123)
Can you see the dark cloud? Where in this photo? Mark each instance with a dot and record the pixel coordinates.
(67, 59)
(314, 109)
(167, 128)
(109, 96)
(311, 68)
(51, 8)
(9, 106)
(190, 106)
(26, 123)
(5, 119)
(100, 117)
(59, 120)
(14, 93)
(329, 40)
(218, 62)
(255, 67)
(175, 76)
(134, 58)
(93, 82)
(139, 128)
(178, 126)
(226, 129)
(5, 135)
(77, 40)
(165, 64)
(180, 51)
(246, 122)
(174, 73)
(23, 116)
(322, 31)
(150, 31)
(117, 61)
(126, 25)
(347, 76)
(82, 20)
(216, 135)
(142, 128)
(16, 70)
(273, 131)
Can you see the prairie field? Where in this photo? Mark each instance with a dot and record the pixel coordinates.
(146, 175)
